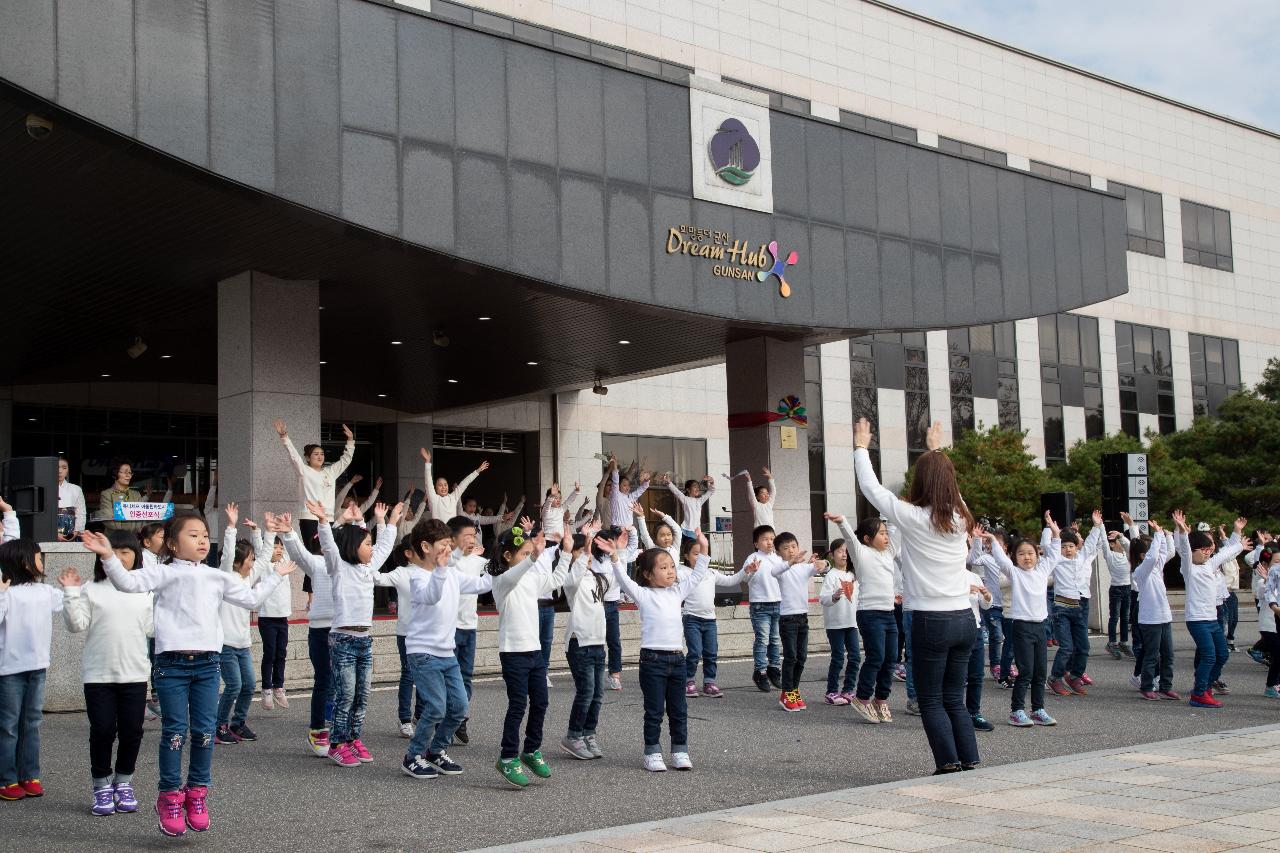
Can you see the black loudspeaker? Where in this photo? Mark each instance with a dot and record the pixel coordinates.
(1062, 505)
(30, 485)
(1125, 487)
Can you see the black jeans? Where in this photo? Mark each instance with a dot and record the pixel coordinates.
(275, 647)
(526, 678)
(115, 714)
(322, 683)
(1157, 652)
(613, 637)
(309, 533)
(941, 644)
(795, 648)
(1118, 600)
(879, 630)
(1029, 654)
(662, 683)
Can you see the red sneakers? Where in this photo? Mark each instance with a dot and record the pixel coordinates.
(790, 701)
(1077, 686)
(1204, 700)
(1084, 676)
(169, 810)
(1059, 687)
(33, 788)
(197, 811)
(12, 791)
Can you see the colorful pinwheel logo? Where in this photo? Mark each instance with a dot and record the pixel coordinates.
(778, 269)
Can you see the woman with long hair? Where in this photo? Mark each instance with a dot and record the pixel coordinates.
(932, 522)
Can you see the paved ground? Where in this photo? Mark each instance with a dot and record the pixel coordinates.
(1204, 793)
(274, 795)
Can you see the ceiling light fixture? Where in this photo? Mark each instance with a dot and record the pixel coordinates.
(324, 362)
(106, 376)
(482, 319)
(532, 363)
(453, 382)
(166, 356)
(382, 395)
(395, 343)
(624, 343)
(33, 420)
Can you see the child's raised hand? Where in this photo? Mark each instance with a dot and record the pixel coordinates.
(356, 478)
(623, 538)
(637, 510)
(232, 509)
(285, 567)
(346, 430)
(752, 567)
(933, 439)
(97, 543)
(833, 518)
(318, 510)
(1051, 524)
(426, 456)
(248, 522)
(862, 434)
(702, 542)
(69, 577)
(484, 466)
(526, 523)
(1155, 525)
(1096, 517)
(281, 429)
(397, 513)
(768, 475)
(1241, 523)
(377, 484)
(1180, 519)
(4, 506)
(1127, 519)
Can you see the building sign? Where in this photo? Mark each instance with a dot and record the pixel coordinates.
(731, 257)
(729, 138)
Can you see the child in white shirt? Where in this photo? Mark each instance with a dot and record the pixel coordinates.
(1071, 577)
(1201, 571)
(1119, 595)
(443, 502)
(794, 576)
(701, 633)
(839, 600)
(763, 498)
(1155, 620)
(691, 500)
(766, 611)
(979, 601)
(245, 566)
(585, 634)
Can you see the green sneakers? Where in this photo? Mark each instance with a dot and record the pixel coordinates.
(512, 772)
(535, 762)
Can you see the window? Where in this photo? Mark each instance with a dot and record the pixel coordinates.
(983, 363)
(973, 152)
(686, 457)
(1206, 236)
(1070, 375)
(1215, 372)
(817, 454)
(1145, 365)
(862, 381)
(1057, 173)
(878, 126)
(1145, 212)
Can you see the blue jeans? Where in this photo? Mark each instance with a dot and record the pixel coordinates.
(444, 702)
(703, 641)
(322, 682)
(906, 653)
(662, 683)
(21, 713)
(408, 700)
(546, 631)
(942, 643)
(844, 647)
(1048, 625)
(767, 649)
(613, 636)
(993, 621)
(879, 630)
(464, 648)
(237, 685)
(1118, 600)
(1211, 652)
(526, 678)
(1072, 631)
(187, 687)
(1229, 615)
(973, 683)
(351, 660)
(587, 665)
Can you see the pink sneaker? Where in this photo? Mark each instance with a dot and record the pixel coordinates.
(197, 811)
(836, 699)
(710, 689)
(341, 754)
(169, 811)
(691, 689)
(1084, 676)
(848, 696)
(360, 752)
(1013, 670)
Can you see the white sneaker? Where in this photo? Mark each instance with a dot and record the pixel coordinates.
(680, 761)
(268, 700)
(281, 700)
(654, 763)
(1135, 682)
(615, 682)
(549, 684)
(406, 730)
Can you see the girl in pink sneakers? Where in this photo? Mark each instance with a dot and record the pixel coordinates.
(188, 629)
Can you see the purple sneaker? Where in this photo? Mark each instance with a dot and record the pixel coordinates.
(126, 802)
(691, 689)
(104, 801)
(710, 689)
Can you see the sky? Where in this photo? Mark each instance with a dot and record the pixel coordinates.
(1221, 56)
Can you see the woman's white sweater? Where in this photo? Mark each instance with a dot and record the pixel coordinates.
(317, 484)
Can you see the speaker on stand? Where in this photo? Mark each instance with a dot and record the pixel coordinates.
(30, 485)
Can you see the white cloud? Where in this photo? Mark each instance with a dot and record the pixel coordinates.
(1223, 57)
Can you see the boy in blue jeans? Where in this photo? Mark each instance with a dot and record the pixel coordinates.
(766, 611)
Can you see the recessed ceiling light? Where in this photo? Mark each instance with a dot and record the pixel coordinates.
(33, 420)
(166, 356)
(324, 362)
(395, 343)
(624, 343)
(106, 376)
(453, 382)
(486, 318)
(532, 363)
(382, 395)
(321, 307)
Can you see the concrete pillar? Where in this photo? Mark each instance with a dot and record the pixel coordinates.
(268, 368)
(760, 372)
(409, 439)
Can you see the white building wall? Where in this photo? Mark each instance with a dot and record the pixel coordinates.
(986, 412)
(892, 432)
(837, 421)
(1073, 425)
(939, 382)
(1182, 407)
(1030, 398)
(1110, 375)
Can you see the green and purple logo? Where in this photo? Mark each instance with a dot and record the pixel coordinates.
(734, 154)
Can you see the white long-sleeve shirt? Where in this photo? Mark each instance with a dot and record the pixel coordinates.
(353, 584)
(661, 625)
(1153, 599)
(474, 565)
(701, 600)
(235, 620)
(1270, 590)
(115, 626)
(342, 496)
(552, 514)
(317, 484)
(445, 507)
(516, 592)
(586, 601)
(933, 563)
(11, 529)
(71, 496)
(876, 571)
(1259, 586)
(188, 597)
(1072, 575)
(620, 502)
(762, 587)
(434, 596)
(690, 507)
(992, 577)
(614, 592)
(399, 579)
(842, 612)
(279, 604)
(320, 614)
(793, 581)
(1028, 588)
(977, 601)
(647, 541)
(1203, 580)
(763, 512)
(26, 626)
(1118, 563)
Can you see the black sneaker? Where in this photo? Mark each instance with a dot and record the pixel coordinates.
(243, 732)
(775, 677)
(1220, 687)
(761, 680)
(444, 763)
(418, 767)
(981, 724)
(461, 735)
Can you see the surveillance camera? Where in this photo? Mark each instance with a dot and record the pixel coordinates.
(440, 339)
(39, 128)
(137, 348)
(599, 389)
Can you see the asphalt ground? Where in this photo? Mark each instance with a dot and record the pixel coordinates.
(274, 795)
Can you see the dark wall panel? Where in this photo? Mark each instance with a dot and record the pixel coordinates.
(790, 173)
(368, 39)
(1040, 249)
(480, 93)
(922, 195)
(535, 220)
(630, 261)
(953, 186)
(1093, 248)
(668, 111)
(891, 188)
(858, 158)
(307, 120)
(531, 85)
(825, 166)
(582, 233)
(1066, 243)
(173, 82)
(1012, 208)
(984, 207)
(425, 58)
(674, 288)
(427, 179)
(863, 279)
(370, 181)
(28, 51)
(826, 277)
(483, 228)
(626, 130)
(928, 296)
(95, 61)
(580, 115)
(957, 271)
(242, 93)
